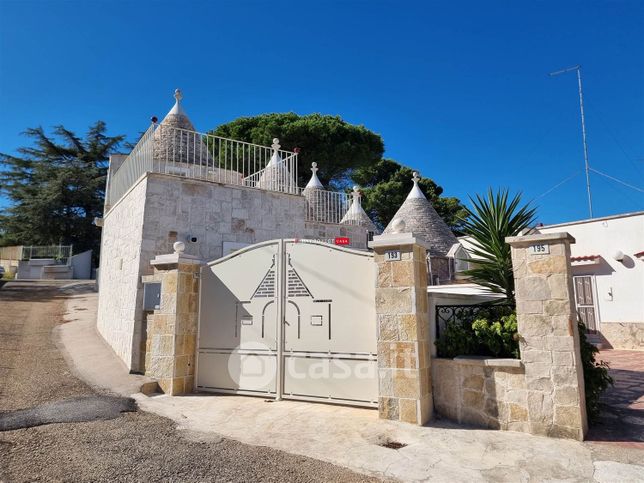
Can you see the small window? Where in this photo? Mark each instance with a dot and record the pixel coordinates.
(246, 320)
(316, 320)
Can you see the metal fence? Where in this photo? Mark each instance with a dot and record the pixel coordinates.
(140, 160)
(58, 252)
(180, 152)
(327, 206)
(172, 150)
(464, 315)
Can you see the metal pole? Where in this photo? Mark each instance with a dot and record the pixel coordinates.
(583, 134)
(281, 301)
(583, 129)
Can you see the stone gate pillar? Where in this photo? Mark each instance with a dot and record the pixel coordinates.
(172, 329)
(549, 337)
(403, 328)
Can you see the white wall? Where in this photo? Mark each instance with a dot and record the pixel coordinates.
(625, 280)
(120, 291)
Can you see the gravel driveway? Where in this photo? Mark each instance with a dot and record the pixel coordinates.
(136, 446)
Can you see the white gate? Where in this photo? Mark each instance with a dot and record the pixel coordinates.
(292, 319)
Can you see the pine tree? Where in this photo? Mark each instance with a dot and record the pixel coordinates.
(56, 187)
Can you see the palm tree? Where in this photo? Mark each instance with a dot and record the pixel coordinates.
(488, 223)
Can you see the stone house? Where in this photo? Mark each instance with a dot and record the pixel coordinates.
(217, 195)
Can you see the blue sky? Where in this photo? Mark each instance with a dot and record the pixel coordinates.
(458, 90)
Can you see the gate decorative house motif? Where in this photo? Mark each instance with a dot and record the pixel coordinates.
(287, 328)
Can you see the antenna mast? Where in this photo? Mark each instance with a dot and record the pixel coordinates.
(583, 129)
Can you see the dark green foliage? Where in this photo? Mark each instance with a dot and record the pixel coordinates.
(488, 223)
(337, 146)
(489, 330)
(56, 187)
(456, 340)
(499, 337)
(385, 186)
(596, 378)
(346, 155)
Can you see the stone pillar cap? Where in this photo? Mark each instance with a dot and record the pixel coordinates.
(175, 259)
(398, 239)
(539, 237)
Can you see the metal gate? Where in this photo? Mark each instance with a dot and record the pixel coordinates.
(585, 301)
(290, 319)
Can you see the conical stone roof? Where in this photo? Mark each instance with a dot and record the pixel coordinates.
(175, 139)
(356, 215)
(421, 218)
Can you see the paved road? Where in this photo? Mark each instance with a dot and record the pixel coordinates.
(136, 446)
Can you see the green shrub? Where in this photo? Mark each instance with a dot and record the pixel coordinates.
(596, 378)
(456, 340)
(499, 337)
(476, 335)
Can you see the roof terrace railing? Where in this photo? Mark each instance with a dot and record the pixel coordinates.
(176, 151)
(180, 152)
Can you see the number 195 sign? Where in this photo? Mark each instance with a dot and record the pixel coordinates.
(539, 249)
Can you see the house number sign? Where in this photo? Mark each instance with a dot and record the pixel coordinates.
(392, 255)
(540, 249)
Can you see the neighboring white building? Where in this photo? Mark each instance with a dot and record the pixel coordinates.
(608, 273)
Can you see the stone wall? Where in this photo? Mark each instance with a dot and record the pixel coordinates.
(549, 337)
(162, 209)
(121, 266)
(172, 329)
(490, 393)
(404, 361)
(623, 335)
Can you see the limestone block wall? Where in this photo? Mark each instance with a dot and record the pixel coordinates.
(120, 273)
(162, 209)
(172, 329)
(178, 209)
(490, 393)
(549, 337)
(404, 361)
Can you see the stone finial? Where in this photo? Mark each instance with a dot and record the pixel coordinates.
(179, 247)
(415, 191)
(178, 110)
(276, 144)
(314, 182)
(398, 225)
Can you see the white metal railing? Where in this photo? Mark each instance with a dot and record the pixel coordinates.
(327, 206)
(171, 150)
(59, 252)
(140, 160)
(177, 151)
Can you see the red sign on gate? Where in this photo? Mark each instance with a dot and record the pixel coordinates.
(342, 240)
